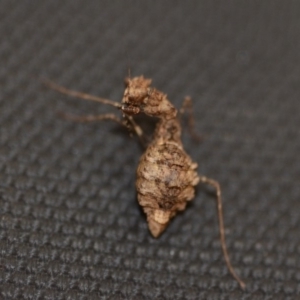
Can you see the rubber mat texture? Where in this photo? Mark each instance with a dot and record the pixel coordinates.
(70, 225)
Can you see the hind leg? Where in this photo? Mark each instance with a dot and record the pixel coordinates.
(217, 187)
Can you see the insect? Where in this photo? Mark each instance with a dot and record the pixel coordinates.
(166, 174)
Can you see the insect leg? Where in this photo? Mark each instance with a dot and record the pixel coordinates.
(138, 130)
(187, 106)
(91, 118)
(216, 185)
(88, 97)
(127, 122)
(130, 124)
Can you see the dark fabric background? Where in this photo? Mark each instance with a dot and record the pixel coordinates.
(70, 225)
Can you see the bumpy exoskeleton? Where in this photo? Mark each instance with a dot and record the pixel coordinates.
(166, 175)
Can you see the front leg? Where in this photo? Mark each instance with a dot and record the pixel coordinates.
(127, 122)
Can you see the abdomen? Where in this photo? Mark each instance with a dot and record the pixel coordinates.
(166, 180)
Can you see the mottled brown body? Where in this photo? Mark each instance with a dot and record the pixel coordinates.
(166, 175)
(166, 179)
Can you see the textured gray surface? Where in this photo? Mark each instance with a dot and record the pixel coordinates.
(70, 226)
